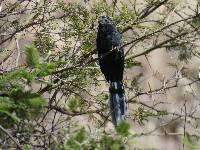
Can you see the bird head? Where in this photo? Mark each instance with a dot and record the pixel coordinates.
(104, 20)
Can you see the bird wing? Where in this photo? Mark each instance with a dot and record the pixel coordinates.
(114, 37)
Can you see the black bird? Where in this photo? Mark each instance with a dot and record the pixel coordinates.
(111, 61)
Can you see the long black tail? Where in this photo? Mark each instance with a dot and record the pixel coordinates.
(118, 105)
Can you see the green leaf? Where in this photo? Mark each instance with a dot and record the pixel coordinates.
(37, 102)
(45, 69)
(32, 56)
(26, 147)
(123, 129)
(5, 104)
(108, 142)
(72, 144)
(115, 146)
(187, 140)
(87, 46)
(73, 103)
(131, 62)
(13, 117)
(81, 135)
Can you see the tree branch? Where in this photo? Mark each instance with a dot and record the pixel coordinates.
(11, 137)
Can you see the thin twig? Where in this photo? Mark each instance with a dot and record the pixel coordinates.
(11, 137)
(18, 53)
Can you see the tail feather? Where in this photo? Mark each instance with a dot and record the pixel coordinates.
(118, 105)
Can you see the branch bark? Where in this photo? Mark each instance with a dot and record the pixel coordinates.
(11, 137)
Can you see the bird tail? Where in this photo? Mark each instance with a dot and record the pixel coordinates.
(118, 105)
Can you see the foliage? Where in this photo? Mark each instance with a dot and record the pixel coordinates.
(73, 103)
(32, 56)
(82, 139)
(17, 103)
(129, 63)
(141, 115)
(189, 141)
